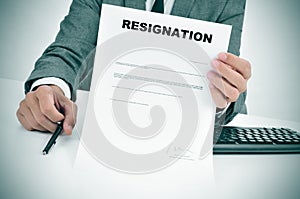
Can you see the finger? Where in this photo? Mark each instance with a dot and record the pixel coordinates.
(70, 112)
(47, 105)
(41, 119)
(217, 96)
(233, 77)
(31, 123)
(227, 89)
(241, 65)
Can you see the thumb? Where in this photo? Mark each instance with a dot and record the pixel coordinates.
(70, 112)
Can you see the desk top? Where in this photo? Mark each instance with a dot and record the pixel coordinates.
(26, 173)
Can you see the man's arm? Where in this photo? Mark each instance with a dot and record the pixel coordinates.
(66, 58)
(44, 106)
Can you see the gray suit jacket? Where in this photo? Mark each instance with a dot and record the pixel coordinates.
(77, 38)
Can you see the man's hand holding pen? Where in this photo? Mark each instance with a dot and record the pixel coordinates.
(44, 107)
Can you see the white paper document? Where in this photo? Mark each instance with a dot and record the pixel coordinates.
(149, 110)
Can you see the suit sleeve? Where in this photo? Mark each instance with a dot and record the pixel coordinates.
(75, 42)
(233, 14)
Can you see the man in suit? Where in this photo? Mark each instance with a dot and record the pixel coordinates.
(51, 88)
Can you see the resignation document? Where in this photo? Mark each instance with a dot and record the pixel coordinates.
(149, 110)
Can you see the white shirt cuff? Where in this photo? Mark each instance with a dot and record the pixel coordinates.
(55, 81)
(220, 113)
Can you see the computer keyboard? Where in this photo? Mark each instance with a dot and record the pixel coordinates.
(237, 140)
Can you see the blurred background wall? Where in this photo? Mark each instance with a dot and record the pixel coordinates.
(270, 41)
(27, 28)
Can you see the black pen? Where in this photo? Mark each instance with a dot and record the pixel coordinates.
(53, 138)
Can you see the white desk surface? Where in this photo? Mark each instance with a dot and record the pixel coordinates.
(26, 173)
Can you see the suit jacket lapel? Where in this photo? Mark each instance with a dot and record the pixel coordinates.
(137, 4)
(182, 7)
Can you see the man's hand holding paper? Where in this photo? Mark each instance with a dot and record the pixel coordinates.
(229, 78)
